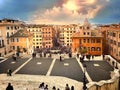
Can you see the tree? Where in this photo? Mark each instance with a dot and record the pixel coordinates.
(24, 50)
(83, 50)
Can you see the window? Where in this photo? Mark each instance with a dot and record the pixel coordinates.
(88, 28)
(15, 28)
(17, 39)
(84, 33)
(88, 40)
(87, 33)
(13, 40)
(3, 43)
(98, 41)
(114, 34)
(111, 41)
(7, 34)
(7, 28)
(93, 49)
(17, 47)
(36, 35)
(118, 44)
(88, 48)
(84, 41)
(98, 48)
(80, 41)
(11, 28)
(114, 50)
(7, 41)
(0, 43)
(114, 42)
(93, 40)
(13, 47)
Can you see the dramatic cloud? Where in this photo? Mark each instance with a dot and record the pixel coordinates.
(69, 11)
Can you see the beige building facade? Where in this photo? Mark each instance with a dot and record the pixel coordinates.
(43, 35)
(7, 28)
(66, 31)
(114, 43)
(112, 39)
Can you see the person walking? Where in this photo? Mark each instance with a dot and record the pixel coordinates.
(9, 87)
(46, 87)
(9, 72)
(42, 86)
(67, 87)
(14, 57)
(54, 88)
(60, 58)
(72, 87)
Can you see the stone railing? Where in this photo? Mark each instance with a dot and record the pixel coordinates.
(112, 84)
(112, 62)
(9, 54)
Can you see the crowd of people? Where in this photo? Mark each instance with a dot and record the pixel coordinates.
(42, 86)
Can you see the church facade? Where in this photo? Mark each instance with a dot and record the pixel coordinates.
(86, 40)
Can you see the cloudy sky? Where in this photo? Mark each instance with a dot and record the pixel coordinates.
(61, 11)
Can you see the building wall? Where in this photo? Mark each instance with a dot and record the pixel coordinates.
(47, 36)
(86, 40)
(93, 48)
(7, 28)
(114, 43)
(37, 35)
(43, 35)
(21, 42)
(66, 33)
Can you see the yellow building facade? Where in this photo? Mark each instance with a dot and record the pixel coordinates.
(42, 35)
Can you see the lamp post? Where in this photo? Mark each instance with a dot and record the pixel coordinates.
(84, 78)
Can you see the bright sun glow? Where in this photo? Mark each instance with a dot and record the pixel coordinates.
(91, 1)
(71, 5)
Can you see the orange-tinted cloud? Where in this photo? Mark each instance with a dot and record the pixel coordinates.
(71, 11)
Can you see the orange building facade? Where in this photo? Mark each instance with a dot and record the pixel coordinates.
(21, 41)
(87, 41)
(48, 34)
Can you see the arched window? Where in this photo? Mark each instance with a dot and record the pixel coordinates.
(93, 49)
(98, 49)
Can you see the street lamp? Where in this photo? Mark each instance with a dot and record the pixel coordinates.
(84, 78)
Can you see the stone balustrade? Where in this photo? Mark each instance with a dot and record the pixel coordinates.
(112, 84)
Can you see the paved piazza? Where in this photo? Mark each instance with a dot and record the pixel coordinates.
(69, 67)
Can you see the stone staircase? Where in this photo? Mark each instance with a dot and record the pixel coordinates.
(32, 82)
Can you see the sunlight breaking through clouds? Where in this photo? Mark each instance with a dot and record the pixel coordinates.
(70, 11)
